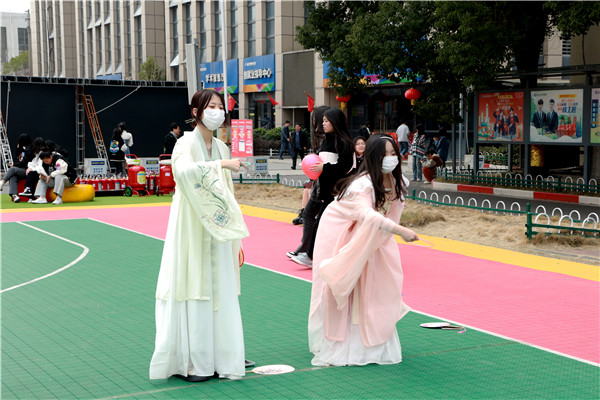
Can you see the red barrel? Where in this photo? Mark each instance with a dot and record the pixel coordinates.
(166, 180)
(136, 177)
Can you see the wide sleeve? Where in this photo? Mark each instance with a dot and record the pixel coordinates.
(371, 229)
(206, 186)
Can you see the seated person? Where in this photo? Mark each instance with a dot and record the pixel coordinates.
(57, 174)
(35, 165)
(17, 169)
(430, 164)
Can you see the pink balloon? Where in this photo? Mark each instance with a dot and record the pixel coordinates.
(308, 162)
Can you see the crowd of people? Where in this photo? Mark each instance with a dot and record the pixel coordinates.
(42, 164)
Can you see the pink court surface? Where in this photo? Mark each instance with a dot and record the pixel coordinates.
(544, 302)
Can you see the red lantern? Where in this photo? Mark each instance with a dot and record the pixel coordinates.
(412, 94)
(342, 99)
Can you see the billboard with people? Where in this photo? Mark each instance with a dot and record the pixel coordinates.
(500, 116)
(556, 116)
(595, 116)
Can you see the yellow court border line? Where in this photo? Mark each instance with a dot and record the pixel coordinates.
(579, 270)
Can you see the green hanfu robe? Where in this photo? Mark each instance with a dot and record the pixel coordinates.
(198, 321)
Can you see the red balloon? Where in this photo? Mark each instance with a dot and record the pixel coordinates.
(308, 162)
(412, 94)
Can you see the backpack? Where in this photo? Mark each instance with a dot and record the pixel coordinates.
(114, 147)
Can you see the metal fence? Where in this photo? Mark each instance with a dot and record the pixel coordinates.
(574, 217)
(499, 179)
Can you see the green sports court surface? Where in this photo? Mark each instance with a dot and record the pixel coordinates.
(88, 332)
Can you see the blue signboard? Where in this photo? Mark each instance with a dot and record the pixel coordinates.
(259, 73)
(211, 75)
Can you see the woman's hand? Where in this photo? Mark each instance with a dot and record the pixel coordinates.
(48, 179)
(233, 165)
(408, 235)
(318, 167)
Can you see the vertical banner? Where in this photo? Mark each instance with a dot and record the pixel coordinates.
(500, 117)
(242, 143)
(556, 116)
(595, 120)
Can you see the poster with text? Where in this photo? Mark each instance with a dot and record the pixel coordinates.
(595, 116)
(500, 116)
(241, 138)
(555, 116)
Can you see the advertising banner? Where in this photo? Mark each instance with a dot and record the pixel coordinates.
(241, 138)
(555, 116)
(595, 120)
(211, 74)
(500, 116)
(259, 74)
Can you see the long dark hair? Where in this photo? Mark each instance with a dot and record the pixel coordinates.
(24, 141)
(200, 101)
(38, 145)
(337, 118)
(373, 159)
(117, 135)
(317, 126)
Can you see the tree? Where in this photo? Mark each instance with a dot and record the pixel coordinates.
(150, 71)
(457, 47)
(18, 65)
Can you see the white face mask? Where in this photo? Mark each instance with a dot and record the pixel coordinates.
(213, 118)
(389, 164)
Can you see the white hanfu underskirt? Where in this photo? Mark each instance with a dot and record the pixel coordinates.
(351, 351)
(193, 339)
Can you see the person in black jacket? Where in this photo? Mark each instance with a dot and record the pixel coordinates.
(57, 174)
(337, 154)
(17, 170)
(116, 155)
(171, 138)
(299, 142)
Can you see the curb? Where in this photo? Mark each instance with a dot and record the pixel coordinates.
(521, 194)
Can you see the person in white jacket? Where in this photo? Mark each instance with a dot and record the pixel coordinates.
(127, 138)
(57, 173)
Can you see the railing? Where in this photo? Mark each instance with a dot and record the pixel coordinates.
(566, 230)
(559, 184)
(515, 209)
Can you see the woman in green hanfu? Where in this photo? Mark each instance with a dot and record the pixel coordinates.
(198, 323)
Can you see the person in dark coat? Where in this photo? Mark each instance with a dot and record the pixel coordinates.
(299, 142)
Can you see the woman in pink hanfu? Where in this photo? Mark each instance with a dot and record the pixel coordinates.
(356, 295)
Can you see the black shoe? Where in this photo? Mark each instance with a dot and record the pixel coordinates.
(26, 193)
(291, 254)
(250, 364)
(293, 167)
(298, 220)
(193, 378)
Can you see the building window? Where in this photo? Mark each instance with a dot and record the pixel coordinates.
(106, 11)
(51, 54)
(3, 45)
(138, 28)
(99, 49)
(188, 23)
(98, 12)
(217, 30)
(566, 54)
(175, 71)
(175, 46)
(233, 32)
(270, 5)
(50, 19)
(81, 40)
(23, 38)
(118, 17)
(251, 28)
(58, 39)
(202, 32)
(91, 52)
(89, 14)
(108, 46)
(128, 35)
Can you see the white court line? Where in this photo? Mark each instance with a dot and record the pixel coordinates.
(418, 312)
(461, 324)
(81, 256)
